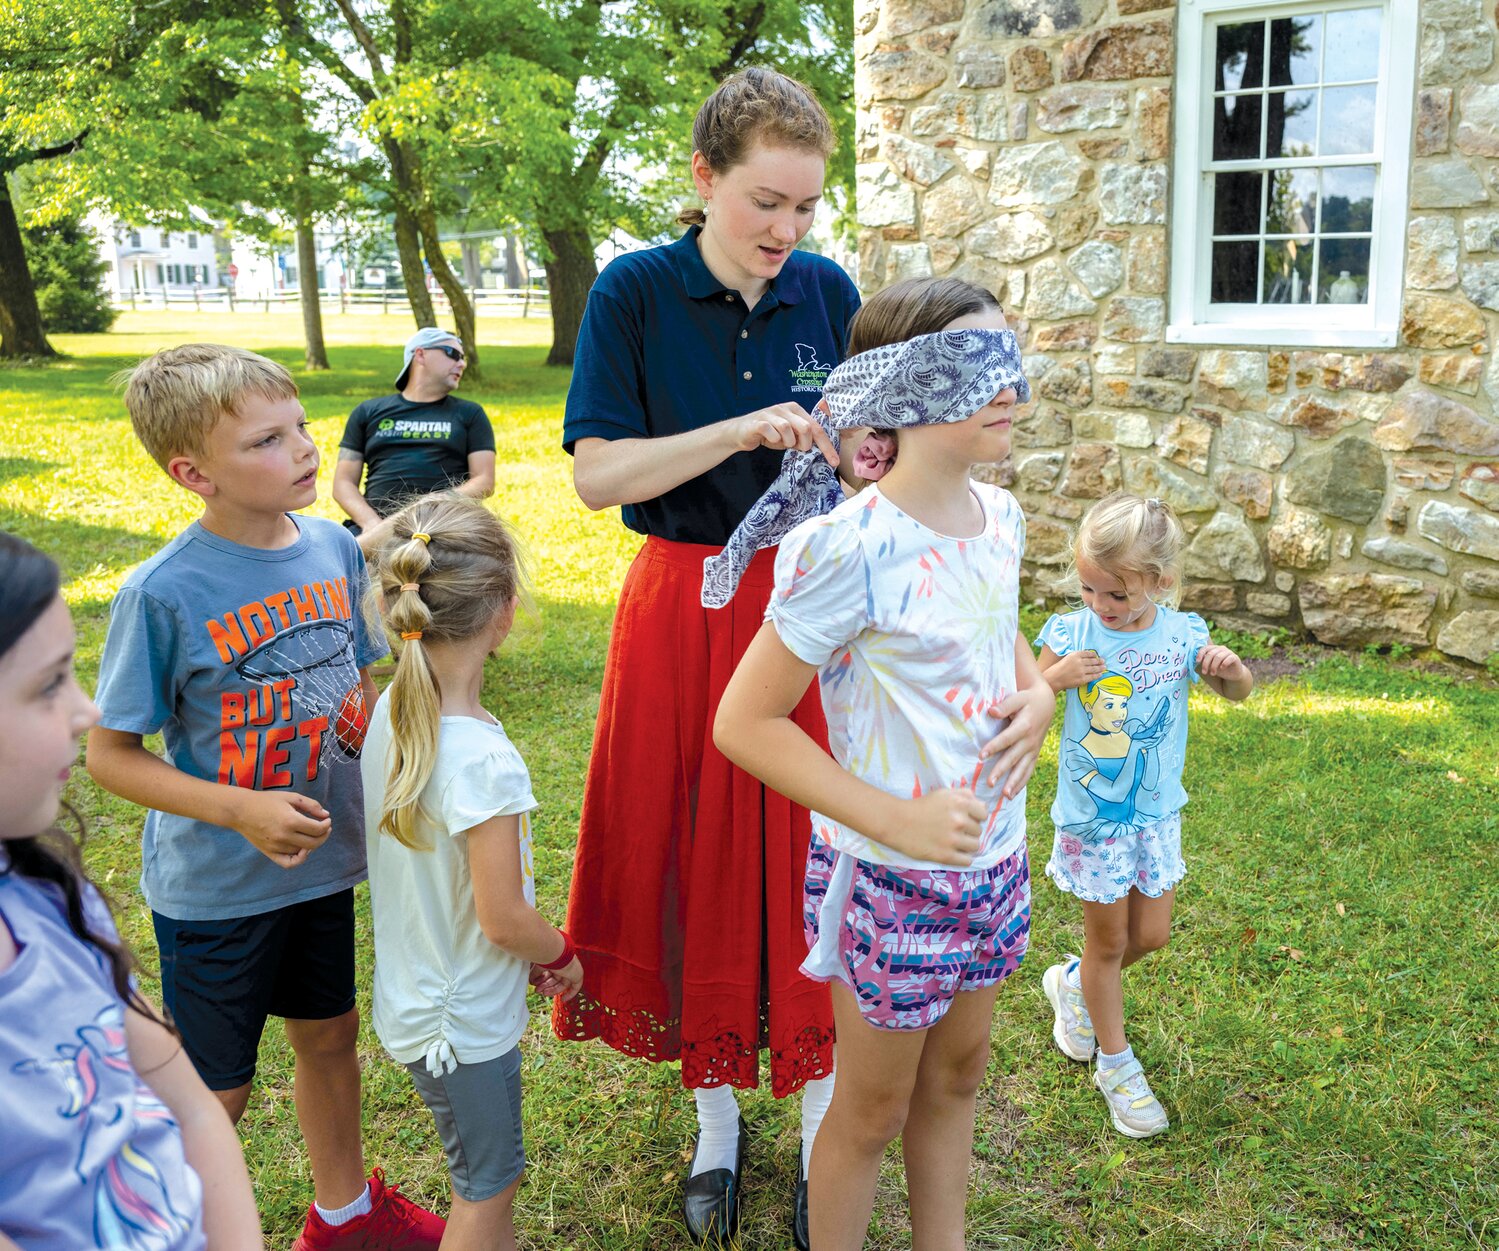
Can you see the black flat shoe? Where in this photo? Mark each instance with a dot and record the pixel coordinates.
(710, 1203)
(799, 1234)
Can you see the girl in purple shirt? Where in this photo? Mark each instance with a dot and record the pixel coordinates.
(110, 1139)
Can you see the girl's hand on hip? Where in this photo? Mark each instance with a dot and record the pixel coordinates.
(1016, 747)
(783, 427)
(943, 826)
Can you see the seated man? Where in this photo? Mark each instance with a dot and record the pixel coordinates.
(419, 440)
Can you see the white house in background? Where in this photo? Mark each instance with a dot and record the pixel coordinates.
(149, 260)
(260, 272)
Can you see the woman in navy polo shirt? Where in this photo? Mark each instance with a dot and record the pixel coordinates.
(697, 365)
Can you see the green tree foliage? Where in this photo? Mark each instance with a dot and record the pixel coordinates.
(66, 269)
(569, 117)
(122, 103)
(572, 117)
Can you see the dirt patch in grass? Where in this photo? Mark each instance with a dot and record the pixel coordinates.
(1280, 663)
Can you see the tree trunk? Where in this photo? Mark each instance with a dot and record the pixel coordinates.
(570, 274)
(409, 249)
(463, 307)
(473, 271)
(316, 355)
(515, 271)
(20, 319)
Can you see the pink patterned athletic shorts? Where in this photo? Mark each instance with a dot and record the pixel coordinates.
(905, 941)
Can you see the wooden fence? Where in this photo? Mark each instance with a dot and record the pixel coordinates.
(497, 302)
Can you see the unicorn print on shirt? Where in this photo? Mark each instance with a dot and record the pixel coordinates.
(132, 1209)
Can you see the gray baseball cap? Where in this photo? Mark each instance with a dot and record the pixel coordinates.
(427, 336)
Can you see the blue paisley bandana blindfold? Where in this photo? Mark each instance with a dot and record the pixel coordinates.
(929, 380)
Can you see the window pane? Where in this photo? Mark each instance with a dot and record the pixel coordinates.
(1236, 203)
(1291, 127)
(1241, 56)
(1236, 127)
(1288, 271)
(1352, 45)
(1235, 280)
(1347, 199)
(1344, 272)
(1295, 50)
(1348, 120)
(1293, 202)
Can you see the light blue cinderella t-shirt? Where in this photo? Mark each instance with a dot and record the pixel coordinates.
(1124, 735)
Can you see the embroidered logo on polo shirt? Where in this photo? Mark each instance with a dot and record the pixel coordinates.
(810, 373)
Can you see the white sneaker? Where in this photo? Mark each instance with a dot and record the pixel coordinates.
(1073, 1028)
(1136, 1111)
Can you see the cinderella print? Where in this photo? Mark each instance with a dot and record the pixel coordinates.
(1116, 758)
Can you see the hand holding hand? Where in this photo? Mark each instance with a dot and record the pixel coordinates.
(546, 983)
(282, 826)
(943, 826)
(1217, 661)
(1076, 669)
(1016, 747)
(783, 427)
(566, 982)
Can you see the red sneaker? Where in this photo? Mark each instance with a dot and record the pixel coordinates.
(393, 1223)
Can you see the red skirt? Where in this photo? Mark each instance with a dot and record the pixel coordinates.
(686, 903)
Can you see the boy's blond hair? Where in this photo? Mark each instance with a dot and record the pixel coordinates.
(177, 396)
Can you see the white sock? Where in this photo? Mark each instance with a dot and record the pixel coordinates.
(1107, 1061)
(816, 1095)
(341, 1216)
(1073, 976)
(717, 1129)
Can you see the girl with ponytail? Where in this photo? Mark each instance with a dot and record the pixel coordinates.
(108, 1127)
(447, 822)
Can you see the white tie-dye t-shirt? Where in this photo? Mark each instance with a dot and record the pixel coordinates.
(913, 634)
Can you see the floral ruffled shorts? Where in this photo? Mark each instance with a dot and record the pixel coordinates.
(1148, 860)
(905, 941)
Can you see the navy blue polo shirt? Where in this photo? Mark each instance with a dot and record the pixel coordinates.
(665, 348)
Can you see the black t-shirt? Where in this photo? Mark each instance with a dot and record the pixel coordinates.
(411, 448)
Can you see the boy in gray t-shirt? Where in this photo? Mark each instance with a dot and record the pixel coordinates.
(243, 644)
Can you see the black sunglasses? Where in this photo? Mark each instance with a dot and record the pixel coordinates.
(452, 353)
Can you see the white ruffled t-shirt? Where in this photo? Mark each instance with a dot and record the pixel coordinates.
(913, 634)
(437, 978)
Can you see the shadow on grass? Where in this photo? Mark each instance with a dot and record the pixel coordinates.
(13, 467)
(513, 374)
(78, 547)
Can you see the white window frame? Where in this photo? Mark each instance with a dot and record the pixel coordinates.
(1374, 324)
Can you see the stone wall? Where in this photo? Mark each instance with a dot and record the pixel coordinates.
(1025, 144)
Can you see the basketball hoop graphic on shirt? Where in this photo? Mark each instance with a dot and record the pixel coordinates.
(318, 657)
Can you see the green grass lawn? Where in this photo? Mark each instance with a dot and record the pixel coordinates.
(1323, 1029)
